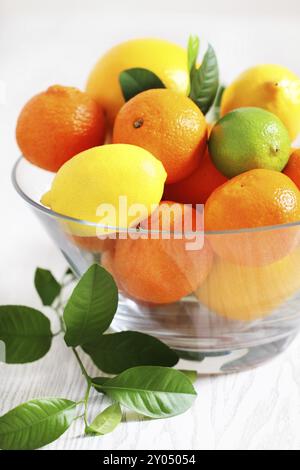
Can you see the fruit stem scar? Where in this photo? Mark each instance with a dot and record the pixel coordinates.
(138, 123)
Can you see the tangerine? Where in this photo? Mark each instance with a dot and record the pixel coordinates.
(256, 198)
(167, 124)
(57, 124)
(160, 270)
(292, 168)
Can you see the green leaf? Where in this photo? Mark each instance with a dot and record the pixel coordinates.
(46, 285)
(117, 352)
(26, 333)
(106, 421)
(219, 95)
(134, 81)
(98, 381)
(205, 81)
(193, 51)
(214, 114)
(91, 307)
(192, 375)
(158, 392)
(36, 423)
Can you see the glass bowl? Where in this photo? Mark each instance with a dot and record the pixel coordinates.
(227, 306)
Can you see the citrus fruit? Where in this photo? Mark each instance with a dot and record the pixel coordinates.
(196, 188)
(256, 198)
(167, 124)
(168, 61)
(100, 176)
(93, 244)
(159, 270)
(293, 167)
(246, 293)
(57, 124)
(249, 138)
(271, 87)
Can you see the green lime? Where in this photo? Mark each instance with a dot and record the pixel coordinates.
(249, 138)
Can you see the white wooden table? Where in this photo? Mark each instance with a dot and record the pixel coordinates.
(259, 409)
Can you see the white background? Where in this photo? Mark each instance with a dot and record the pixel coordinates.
(47, 42)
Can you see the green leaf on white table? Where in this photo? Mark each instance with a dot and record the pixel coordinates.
(97, 382)
(91, 307)
(106, 421)
(46, 285)
(193, 51)
(36, 423)
(157, 392)
(25, 332)
(192, 375)
(114, 353)
(205, 81)
(134, 81)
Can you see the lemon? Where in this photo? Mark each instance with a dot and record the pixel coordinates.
(89, 186)
(167, 60)
(271, 87)
(247, 293)
(249, 138)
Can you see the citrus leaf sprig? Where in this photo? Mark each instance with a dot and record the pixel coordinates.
(193, 51)
(36, 423)
(134, 81)
(106, 421)
(204, 80)
(47, 286)
(117, 352)
(25, 332)
(145, 381)
(91, 307)
(157, 392)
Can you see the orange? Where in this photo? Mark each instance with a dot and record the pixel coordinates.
(160, 270)
(246, 293)
(196, 188)
(256, 198)
(167, 124)
(92, 244)
(57, 124)
(292, 168)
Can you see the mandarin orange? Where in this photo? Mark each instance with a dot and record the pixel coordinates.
(292, 169)
(196, 188)
(254, 199)
(161, 270)
(167, 124)
(57, 124)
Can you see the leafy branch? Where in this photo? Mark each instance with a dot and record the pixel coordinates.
(143, 378)
(204, 80)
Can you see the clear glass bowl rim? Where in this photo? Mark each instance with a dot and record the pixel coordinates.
(66, 218)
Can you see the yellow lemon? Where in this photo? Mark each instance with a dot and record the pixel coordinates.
(167, 60)
(271, 87)
(246, 293)
(113, 185)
